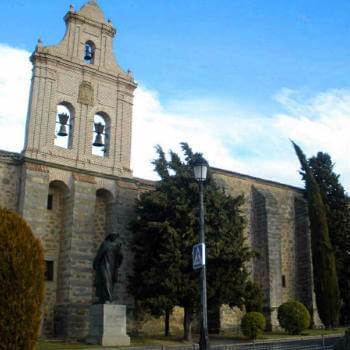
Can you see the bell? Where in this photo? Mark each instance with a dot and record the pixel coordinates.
(62, 131)
(99, 127)
(63, 118)
(88, 53)
(98, 141)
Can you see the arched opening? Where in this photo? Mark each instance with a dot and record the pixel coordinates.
(100, 137)
(103, 220)
(89, 52)
(63, 128)
(54, 246)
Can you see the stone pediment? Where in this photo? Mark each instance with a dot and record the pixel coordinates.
(92, 11)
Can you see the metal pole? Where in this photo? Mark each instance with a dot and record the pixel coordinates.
(204, 339)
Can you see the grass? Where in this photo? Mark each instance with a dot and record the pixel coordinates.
(308, 332)
(176, 339)
(236, 335)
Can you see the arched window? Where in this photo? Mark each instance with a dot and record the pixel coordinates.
(89, 52)
(100, 135)
(63, 129)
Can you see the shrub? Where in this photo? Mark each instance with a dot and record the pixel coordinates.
(22, 283)
(294, 317)
(253, 323)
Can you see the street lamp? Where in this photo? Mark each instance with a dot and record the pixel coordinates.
(200, 167)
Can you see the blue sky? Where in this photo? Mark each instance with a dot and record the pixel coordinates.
(235, 79)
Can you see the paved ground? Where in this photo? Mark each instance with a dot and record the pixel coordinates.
(302, 343)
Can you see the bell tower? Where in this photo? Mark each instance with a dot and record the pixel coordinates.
(80, 106)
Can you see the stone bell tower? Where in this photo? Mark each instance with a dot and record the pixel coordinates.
(74, 180)
(80, 104)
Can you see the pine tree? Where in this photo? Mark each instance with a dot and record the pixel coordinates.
(166, 228)
(337, 205)
(324, 270)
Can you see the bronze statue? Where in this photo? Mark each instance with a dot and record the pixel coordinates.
(106, 264)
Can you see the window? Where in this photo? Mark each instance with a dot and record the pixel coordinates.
(49, 201)
(100, 135)
(283, 281)
(48, 270)
(89, 52)
(63, 128)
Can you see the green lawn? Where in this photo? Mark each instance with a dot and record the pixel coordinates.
(278, 335)
(226, 336)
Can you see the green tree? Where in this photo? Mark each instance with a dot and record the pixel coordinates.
(253, 297)
(337, 205)
(325, 275)
(165, 230)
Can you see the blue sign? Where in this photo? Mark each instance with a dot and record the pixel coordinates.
(198, 256)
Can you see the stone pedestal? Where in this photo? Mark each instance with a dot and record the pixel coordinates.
(108, 325)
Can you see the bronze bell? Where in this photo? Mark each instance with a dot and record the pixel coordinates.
(62, 131)
(98, 141)
(88, 53)
(99, 127)
(63, 118)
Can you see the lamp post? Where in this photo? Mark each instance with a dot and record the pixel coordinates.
(200, 167)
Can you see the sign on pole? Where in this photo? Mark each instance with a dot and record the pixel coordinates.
(198, 255)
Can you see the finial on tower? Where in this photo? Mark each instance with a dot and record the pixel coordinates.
(71, 8)
(39, 44)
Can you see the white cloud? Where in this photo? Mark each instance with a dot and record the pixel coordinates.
(228, 134)
(238, 141)
(14, 90)
(322, 124)
(153, 125)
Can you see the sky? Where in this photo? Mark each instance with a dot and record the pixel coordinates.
(234, 79)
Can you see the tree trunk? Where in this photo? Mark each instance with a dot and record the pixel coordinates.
(167, 323)
(188, 318)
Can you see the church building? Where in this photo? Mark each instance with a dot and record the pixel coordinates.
(73, 184)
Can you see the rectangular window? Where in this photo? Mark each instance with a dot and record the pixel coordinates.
(49, 201)
(48, 270)
(283, 281)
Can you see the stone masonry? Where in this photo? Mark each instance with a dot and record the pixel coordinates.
(73, 198)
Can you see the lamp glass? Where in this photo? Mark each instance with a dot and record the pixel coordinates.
(200, 172)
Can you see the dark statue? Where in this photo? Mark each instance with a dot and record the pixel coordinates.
(106, 264)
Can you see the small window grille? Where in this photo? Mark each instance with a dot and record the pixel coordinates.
(48, 270)
(49, 201)
(283, 281)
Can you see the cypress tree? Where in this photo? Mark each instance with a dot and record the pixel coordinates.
(166, 228)
(337, 205)
(324, 270)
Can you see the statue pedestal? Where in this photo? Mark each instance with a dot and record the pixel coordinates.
(108, 325)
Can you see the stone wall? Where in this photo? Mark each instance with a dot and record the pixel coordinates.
(278, 229)
(9, 181)
(86, 206)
